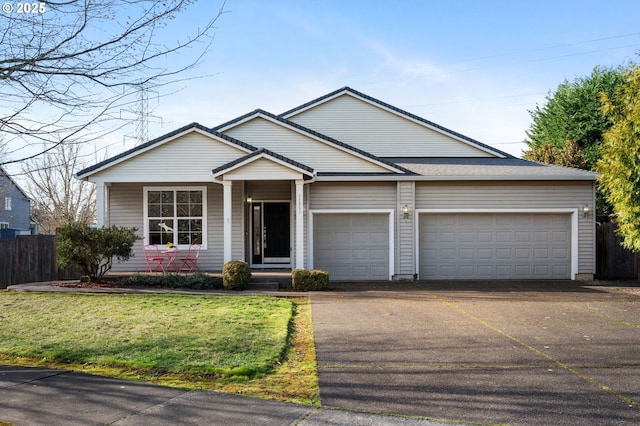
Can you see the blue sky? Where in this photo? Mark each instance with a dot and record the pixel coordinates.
(476, 67)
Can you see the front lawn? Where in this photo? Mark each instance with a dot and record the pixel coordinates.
(212, 342)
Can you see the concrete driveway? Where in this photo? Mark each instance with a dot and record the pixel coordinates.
(511, 352)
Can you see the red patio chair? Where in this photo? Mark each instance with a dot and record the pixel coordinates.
(190, 262)
(154, 259)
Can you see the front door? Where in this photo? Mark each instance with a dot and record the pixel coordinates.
(271, 233)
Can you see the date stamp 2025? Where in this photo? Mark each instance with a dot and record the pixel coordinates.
(25, 8)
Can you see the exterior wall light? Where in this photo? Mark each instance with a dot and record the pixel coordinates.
(405, 212)
(249, 199)
(585, 210)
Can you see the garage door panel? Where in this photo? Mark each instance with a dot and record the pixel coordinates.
(358, 246)
(459, 246)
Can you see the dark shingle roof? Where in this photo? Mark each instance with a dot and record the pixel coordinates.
(347, 89)
(161, 139)
(487, 168)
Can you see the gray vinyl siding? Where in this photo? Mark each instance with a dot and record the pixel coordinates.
(353, 195)
(126, 209)
(296, 146)
(517, 195)
(189, 158)
(19, 217)
(405, 247)
(381, 132)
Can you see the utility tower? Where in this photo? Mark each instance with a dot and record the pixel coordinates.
(142, 111)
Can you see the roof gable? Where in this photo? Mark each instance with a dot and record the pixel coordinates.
(186, 154)
(263, 164)
(305, 145)
(383, 129)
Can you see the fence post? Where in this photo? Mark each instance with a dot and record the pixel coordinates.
(16, 275)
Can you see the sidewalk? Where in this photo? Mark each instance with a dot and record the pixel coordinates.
(35, 396)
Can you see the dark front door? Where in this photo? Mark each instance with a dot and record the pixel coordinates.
(271, 233)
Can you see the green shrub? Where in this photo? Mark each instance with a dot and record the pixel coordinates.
(309, 280)
(197, 281)
(236, 275)
(92, 250)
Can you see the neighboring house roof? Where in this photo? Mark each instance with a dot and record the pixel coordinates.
(317, 135)
(396, 110)
(3, 173)
(262, 153)
(159, 141)
(490, 168)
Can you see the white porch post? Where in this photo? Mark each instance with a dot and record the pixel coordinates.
(100, 204)
(227, 204)
(299, 224)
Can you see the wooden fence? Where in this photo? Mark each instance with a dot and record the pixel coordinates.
(613, 262)
(30, 258)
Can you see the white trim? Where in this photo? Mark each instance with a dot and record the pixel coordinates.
(145, 210)
(299, 215)
(390, 212)
(227, 209)
(574, 227)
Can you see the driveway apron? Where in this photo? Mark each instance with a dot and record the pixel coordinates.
(510, 352)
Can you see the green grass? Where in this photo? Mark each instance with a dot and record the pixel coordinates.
(203, 337)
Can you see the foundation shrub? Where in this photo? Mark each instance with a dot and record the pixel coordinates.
(309, 279)
(236, 275)
(197, 281)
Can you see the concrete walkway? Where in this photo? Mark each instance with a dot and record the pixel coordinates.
(483, 353)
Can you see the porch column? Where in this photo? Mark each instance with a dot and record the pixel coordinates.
(100, 204)
(299, 224)
(227, 204)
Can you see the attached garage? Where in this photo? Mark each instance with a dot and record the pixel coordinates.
(352, 246)
(495, 246)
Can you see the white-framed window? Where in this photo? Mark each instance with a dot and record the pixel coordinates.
(4, 225)
(7, 203)
(175, 215)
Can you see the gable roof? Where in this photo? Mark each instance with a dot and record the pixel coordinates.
(262, 153)
(312, 133)
(159, 141)
(3, 173)
(395, 110)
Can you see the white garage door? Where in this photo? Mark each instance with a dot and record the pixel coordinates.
(352, 246)
(495, 246)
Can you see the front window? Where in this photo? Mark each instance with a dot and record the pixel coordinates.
(7, 203)
(175, 215)
(4, 225)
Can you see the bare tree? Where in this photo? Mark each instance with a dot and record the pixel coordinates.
(57, 197)
(68, 65)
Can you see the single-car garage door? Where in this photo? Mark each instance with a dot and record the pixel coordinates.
(352, 246)
(495, 246)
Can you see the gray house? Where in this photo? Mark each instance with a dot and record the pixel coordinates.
(355, 186)
(15, 206)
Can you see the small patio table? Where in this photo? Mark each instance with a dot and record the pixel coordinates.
(171, 255)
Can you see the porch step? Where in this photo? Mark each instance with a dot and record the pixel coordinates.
(271, 280)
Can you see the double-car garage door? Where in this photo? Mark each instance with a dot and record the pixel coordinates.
(352, 246)
(495, 246)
